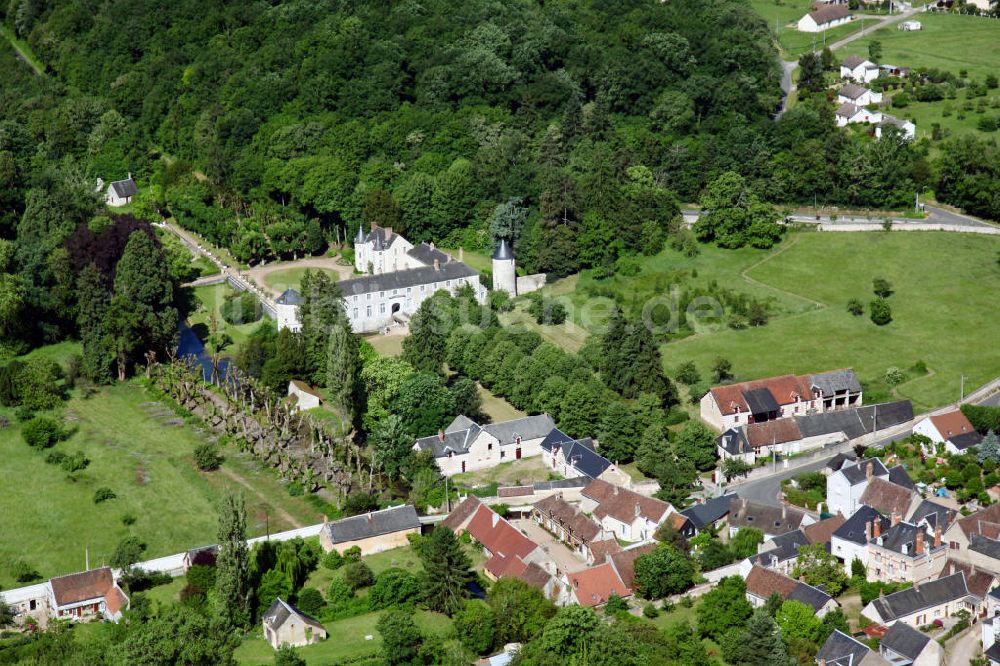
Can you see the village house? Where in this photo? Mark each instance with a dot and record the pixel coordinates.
(845, 487)
(301, 396)
(849, 542)
(87, 595)
(848, 114)
(953, 429)
(286, 310)
(200, 557)
(780, 552)
(982, 583)
(903, 645)
(465, 446)
(907, 129)
(571, 458)
(905, 553)
(709, 513)
(859, 69)
(824, 17)
(372, 532)
(841, 649)
(762, 583)
(626, 514)
(570, 525)
(771, 520)
(932, 515)
(923, 603)
(120, 192)
(889, 498)
(990, 628)
(985, 523)
(851, 93)
(840, 461)
(779, 397)
(284, 624)
(592, 587)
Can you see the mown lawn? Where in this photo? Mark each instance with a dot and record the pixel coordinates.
(497, 408)
(346, 640)
(143, 452)
(210, 299)
(947, 41)
(794, 42)
(291, 278)
(944, 312)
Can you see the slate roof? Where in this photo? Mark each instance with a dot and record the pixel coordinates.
(993, 652)
(913, 599)
(453, 270)
(503, 251)
(903, 536)
(839, 381)
(382, 237)
(527, 428)
(709, 511)
(460, 422)
(934, 514)
(900, 477)
(278, 612)
(77, 587)
(809, 595)
(892, 120)
(760, 401)
(852, 62)
(376, 523)
(858, 473)
(426, 254)
(852, 91)
(569, 517)
(904, 640)
(853, 529)
(786, 547)
(456, 442)
(887, 497)
(829, 13)
(966, 440)
(289, 297)
(624, 505)
(578, 452)
(125, 188)
(578, 482)
(841, 649)
(977, 580)
(770, 519)
(840, 460)
(855, 422)
(988, 547)
(847, 110)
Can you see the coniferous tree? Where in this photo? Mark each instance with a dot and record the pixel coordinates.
(343, 365)
(424, 348)
(617, 433)
(761, 643)
(94, 300)
(447, 571)
(232, 563)
(393, 446)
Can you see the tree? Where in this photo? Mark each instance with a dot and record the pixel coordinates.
(797, 620)
(880, 312)
(723, 607)
(826, 58)
(393, 587)
(343, 366)
(617, 433)
(881, 287)
(855, 307)
(760, 643)
(714, 555)
(722, 369)
(745, 543)
(667, 533)
(393, 446)
(423, 403)
(287, 656)
(520, 610)
(821, 568)
(581, 408)
(736, 216)
(662, 572)
(858, 569)
(6, 614)
(447, 571)
(734, 467)
(476, 627)
(177, 635)
(696, 443)
(508, 218)
(811, 76)
(232, 563)
(424, 348)
(401, 639)
(615, 605)
(677, 478)
(128, 551)
(358, 575)
(687, 373)
(875, 51)
(468, 400)
(989, 448)
(93, 299)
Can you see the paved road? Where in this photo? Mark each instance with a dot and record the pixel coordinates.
(867, 30)
(935, 217)
(787, 67)
(963, 649)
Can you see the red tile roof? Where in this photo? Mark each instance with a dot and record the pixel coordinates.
(763, 583)
(767, 433)
(305, 388)
(984, 522)
(952, 424)
(624, 561)
(460, 515)
(784, 389)
(822, 531)
(569, 517)
(977, 581)
(497, 535)
(887, 497)
(621, 504)
(601, 549)
(593, 586)
(74, 588)
(515, 491)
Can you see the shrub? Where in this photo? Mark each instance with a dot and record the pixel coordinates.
(393, 587)
(358, 575)
(310, 600)
(651, 611)
(987, 124)
(129, 519)
(103, 494)
(21, 571)
(333, 560)
(614, 605)
(901, 100)
(41, 432)
(547, 310)
(207, 457)
(855, 307)
(687, 373)
(75, 462)
(352, 554)
(241, 309)
(894, 376)
(880, 312)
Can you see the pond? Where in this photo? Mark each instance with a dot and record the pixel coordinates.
(191, 345)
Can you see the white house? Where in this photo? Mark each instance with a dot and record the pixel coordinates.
(304, 396)
(857, 95)
(903, 644)
(626, 514)
(86, 595)
(922, 604)
(849, 542)
(952, 429)
(908, 129)
(286, 309)
(849, 114)
(284, 624)
(859, 69)
(824, 18)
(845, 487)
(573, 458)
(120, 192)
(465, 446)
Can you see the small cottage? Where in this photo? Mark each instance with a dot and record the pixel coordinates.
(284, 624)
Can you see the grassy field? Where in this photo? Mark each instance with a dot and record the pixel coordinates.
(399, 558)
(944, 307)
(211, 298)
(960, 121)
(514, 473)
(347, 640)
(947, 41)
(291, 278)
(143, 452)
(480, 262)
(386, 345)
(794, 43)
(497, 408)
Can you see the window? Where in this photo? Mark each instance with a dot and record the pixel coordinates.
(381, 294)
(381, 308)
(369, 296)
(501, 454)
(421, 289)
(369, 311)
(355, 298)
(395, 291)
(355, 313)
(408, 289)
(448, 284)
(937, 612)
(489, 446)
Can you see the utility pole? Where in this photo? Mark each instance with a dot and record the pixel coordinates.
(447, 497)
(916, 203)
(962, 389)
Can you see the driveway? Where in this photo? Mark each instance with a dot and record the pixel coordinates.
(259, 273)
(564, 558)
(963, 649)
(867, 30)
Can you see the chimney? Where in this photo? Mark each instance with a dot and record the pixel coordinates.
(881, 593)
(869, 470)
(325, 519)
(784, 511)
(951, 569)
(920, 542)
(868, 531)
(895, 518)
(388, 232)
(615, 490)
(822, 662)
(877, 528)
(437, 264)
(937, 536)
(744, 502)
(638, 509)
(461, 254)
(432, 245)
(130, 175)
(440, 435)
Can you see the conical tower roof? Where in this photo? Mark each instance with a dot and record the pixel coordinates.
(503, 251)
(360, 238)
